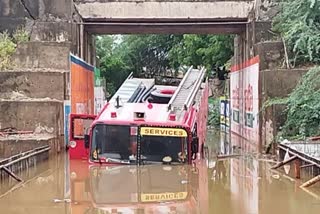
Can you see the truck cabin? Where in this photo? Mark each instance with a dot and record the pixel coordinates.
(138, 144)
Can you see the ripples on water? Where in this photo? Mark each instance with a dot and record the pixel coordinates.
(239, 185)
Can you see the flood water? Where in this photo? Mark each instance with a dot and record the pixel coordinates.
(239, 185)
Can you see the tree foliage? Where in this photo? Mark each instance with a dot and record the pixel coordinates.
(150, 53)
(112, 65)
(202, 50)
(155, 55)
(299, 24)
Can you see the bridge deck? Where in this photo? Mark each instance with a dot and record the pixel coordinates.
(172, 16)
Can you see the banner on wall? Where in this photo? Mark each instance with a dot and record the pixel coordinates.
(82, 90)
(244, 89)
(67, 109)
(224, 114)
(82, 86)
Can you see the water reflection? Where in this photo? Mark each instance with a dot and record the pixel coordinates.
(145, 189)
(238, 185)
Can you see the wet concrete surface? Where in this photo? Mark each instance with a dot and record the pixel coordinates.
(237, 185)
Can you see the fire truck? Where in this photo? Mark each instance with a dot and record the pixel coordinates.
(145, 123)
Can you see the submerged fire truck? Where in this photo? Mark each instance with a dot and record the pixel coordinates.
(145, 123)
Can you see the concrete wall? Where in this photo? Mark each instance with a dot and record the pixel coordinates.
(266, 10)
(280, 82)
(41, 84)
(52, 31)
(29, 115)
(12, 14)
(271, 54)
(10, 146)
(36, 9)
(50, 55)
(276, 83)
(17, 12)
(45, 20)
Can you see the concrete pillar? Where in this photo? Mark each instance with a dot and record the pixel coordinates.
(81, 33)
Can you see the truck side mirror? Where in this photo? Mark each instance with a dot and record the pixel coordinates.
(195, 145)
(86, 141)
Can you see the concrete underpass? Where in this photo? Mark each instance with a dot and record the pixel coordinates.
(33, 95)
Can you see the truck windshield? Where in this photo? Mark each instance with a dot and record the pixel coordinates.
(111, 142)
(158, 143)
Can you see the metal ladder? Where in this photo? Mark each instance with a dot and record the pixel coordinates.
(187, 90)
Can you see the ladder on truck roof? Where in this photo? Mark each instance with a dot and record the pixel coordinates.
(133, 89)
(187, 90)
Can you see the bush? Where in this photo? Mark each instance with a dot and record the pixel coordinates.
(20, 35)
(214, 112)
(7, 48)
(303, 116)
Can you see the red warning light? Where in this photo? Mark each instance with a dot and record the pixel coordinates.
(113, 114)
(172, 117)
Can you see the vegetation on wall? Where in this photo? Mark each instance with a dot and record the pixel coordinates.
(7, 48)
(303, 107)
(299, 24)
(8, 45)
(214, 112)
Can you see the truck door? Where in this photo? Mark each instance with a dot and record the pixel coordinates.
(79, 126)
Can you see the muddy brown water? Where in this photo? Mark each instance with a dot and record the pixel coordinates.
(239, 185)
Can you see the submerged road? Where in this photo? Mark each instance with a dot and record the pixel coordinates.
(239, 185)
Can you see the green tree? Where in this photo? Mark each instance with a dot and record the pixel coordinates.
(202, 50)
(112, 65)
(299, 24)
(150, 53)
(153, 55)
